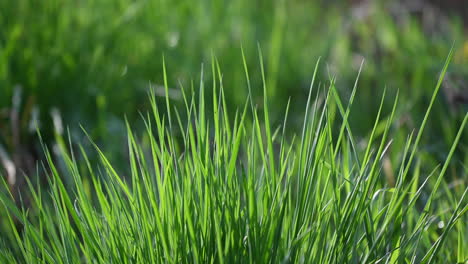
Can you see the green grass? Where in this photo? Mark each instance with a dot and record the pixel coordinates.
(205, 185)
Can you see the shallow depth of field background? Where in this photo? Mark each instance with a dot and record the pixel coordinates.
(66, 64)
(92, 62)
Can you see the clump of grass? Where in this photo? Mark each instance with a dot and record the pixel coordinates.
(243, 191)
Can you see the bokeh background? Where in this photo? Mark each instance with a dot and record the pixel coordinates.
(90, 63)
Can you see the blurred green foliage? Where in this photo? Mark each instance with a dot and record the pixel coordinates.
(94, 60)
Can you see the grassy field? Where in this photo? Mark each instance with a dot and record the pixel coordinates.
(245, 192)
(93, 61)
(273, 132)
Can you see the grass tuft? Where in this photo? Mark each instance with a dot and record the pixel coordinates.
(221, 189)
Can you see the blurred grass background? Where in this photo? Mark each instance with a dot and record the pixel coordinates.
(91, 62)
